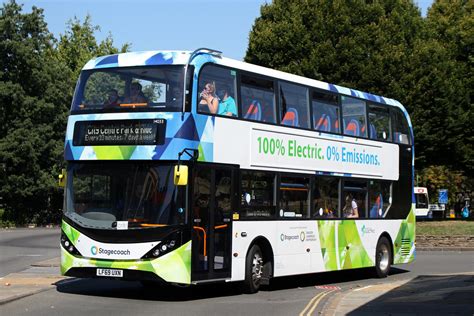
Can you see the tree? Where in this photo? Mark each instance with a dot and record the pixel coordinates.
(78, 44)
(359, 44)
(450, 24)
(38, 75)
(32, 94)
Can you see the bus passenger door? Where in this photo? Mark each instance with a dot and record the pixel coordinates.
(213, 204)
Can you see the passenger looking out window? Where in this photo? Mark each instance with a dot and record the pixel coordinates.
(209, 101)
(136, 95)
(226, 102)
(351, 209)
(113, 99)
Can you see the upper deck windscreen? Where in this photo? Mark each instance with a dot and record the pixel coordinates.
(130, 89)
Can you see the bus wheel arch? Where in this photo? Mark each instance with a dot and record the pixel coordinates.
(259, 250)
(383, 255)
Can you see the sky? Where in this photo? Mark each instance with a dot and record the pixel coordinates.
(164, 24)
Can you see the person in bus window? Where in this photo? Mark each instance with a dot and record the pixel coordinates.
(113, 99)
(351, 210)
(226, 103)
(209, 101)
(136, 94)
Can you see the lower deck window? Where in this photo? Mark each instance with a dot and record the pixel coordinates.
(325, 197)
(257, 194)
(294, 197)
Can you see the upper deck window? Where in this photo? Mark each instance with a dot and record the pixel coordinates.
(353, 121)
(217, 91)
(326, 112)
(379, 123)
(294, 109)
(401, 131)
(257, 99)
(130, 88)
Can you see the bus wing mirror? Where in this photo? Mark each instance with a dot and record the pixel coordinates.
(181, 175)
(62, 178)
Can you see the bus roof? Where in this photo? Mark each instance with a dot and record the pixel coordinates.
(154, 58)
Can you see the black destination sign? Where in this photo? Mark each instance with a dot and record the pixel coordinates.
(120, 132)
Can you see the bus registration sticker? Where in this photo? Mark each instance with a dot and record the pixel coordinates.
(115, 273)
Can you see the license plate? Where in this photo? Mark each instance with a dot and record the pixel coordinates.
(114, 273)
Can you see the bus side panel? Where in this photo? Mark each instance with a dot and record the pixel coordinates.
(174, 266)
(327, 245)
(404, 244)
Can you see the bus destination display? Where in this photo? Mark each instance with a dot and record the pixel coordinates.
(120, 132)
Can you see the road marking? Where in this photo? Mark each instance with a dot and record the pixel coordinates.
(313, 303)
(363, 288)
(327, 287)
(29, 255)
(317, 302)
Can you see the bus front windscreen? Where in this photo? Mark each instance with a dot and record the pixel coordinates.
(114, 195)
(158, 88)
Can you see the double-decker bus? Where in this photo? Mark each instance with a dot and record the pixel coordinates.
(189, 167)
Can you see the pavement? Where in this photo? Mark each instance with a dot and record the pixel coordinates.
(39, 277)
(423, 295)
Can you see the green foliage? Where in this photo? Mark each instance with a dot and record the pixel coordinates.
(441, 177)
(78, 44)
(387, 48)
(38, 75)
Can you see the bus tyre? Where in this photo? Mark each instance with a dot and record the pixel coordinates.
(383, 257)
(253, 270)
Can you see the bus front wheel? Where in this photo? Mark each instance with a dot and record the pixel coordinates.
(383, 257)
(253, 270)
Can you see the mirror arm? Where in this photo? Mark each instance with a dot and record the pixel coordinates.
(192, 153)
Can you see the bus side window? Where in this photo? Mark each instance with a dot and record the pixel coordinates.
(325, 197)
(257, 189)
(294, 197)
(401, 132)
(379, 123)
(294, 110)
(325, 112)
(223, 82)
(353, 111)
(379, 198)
(258, 99)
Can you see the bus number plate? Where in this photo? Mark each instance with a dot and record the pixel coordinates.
(110, 273)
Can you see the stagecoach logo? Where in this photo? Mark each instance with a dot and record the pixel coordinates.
(108, 252)
(367, 230)
(301, 236)
(94, 250)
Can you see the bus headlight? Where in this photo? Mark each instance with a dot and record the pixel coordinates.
(68, 246)
(168, 244)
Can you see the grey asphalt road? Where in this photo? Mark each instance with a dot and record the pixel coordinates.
(19, 248)
(286, 296)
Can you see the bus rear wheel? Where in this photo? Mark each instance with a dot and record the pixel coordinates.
(253, 270)
(383, 257)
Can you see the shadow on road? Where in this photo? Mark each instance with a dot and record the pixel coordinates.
(164, 292)
(426, 295)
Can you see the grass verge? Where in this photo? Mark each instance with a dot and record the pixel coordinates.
(445, 228)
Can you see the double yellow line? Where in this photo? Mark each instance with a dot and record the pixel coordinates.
(311, 306)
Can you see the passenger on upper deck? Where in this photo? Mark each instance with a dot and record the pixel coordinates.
(209, 98)
(226, 103)
(136, 94)
(113, 99)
